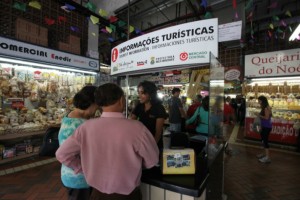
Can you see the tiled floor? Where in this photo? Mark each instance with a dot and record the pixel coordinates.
(245, 178)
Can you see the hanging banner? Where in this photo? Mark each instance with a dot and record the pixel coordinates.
(13, 48)
(184, 44)
(277, 63)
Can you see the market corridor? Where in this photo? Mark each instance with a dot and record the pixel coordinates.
(245, 178)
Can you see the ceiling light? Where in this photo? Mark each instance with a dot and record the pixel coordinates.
(44, 66)
(296, 34)
(276, 79)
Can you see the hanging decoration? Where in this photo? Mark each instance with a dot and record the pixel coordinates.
(61, 19)
(204, 3)
(123, 35)
(278, 30)
(20, 6)
(288, 13)
(70, 7)
(121, 23)
(282, 22)
(111, 39)
(108, 29)
(104, 30)
(113, 27)
(249, 5)
(95, 20)
(137, 31)
(269, 33)
(91, 6)
(74, 29)
(250, 16)
(49, 21)
(275, 18)
(35, 4)
(131, 29)
(271, 26)
(65, 9)
(113, 19)
(208, 15)
(273, 5)
(283, 35)
(236, 16)
(102, 13)
(234, 4)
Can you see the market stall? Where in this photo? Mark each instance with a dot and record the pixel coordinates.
(276, 76)
(153, 57)
(37, 86)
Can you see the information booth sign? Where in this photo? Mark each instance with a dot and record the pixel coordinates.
(177, 46)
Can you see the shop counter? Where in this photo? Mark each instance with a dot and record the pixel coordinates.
(208, 177)
(156, 186)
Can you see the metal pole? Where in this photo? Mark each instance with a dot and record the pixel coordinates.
(127, 81)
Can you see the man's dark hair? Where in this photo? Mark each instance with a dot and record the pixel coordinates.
(205, 103)
(108, 94)
(175, 90)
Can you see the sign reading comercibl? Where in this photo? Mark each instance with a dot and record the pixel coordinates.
(18, 49)
(185, 44)
(277, 63)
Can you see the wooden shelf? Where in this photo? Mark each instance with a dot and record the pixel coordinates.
(7, 160)
(20, 135)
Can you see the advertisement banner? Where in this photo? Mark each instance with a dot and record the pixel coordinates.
(275, 64)
(184, 44)
(13, 48)
(283, 133)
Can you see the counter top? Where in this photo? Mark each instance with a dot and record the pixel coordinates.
(191, 185)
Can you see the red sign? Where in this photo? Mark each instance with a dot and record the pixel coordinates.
(114, 55)
(281, 132)
(17, 104)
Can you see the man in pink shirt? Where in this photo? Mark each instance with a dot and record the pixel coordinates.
(110, 150)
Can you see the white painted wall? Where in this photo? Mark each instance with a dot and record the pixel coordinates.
(110, 5)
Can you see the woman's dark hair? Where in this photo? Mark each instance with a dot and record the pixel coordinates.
(150, 89)
(264, 101)
(205, 103)
(108, 94)
(85, 97)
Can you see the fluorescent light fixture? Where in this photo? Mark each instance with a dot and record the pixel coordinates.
(174, 85)
(104, 66)
(276, 79)
(296, 34)
(266, 81)
(44, 66)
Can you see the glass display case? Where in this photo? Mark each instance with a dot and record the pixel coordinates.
(283, 96)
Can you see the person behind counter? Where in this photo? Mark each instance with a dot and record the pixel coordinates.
(85, 108)
(110, 150)
(150, 111)
(176, 111)
(202, 114)
(191, 128)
